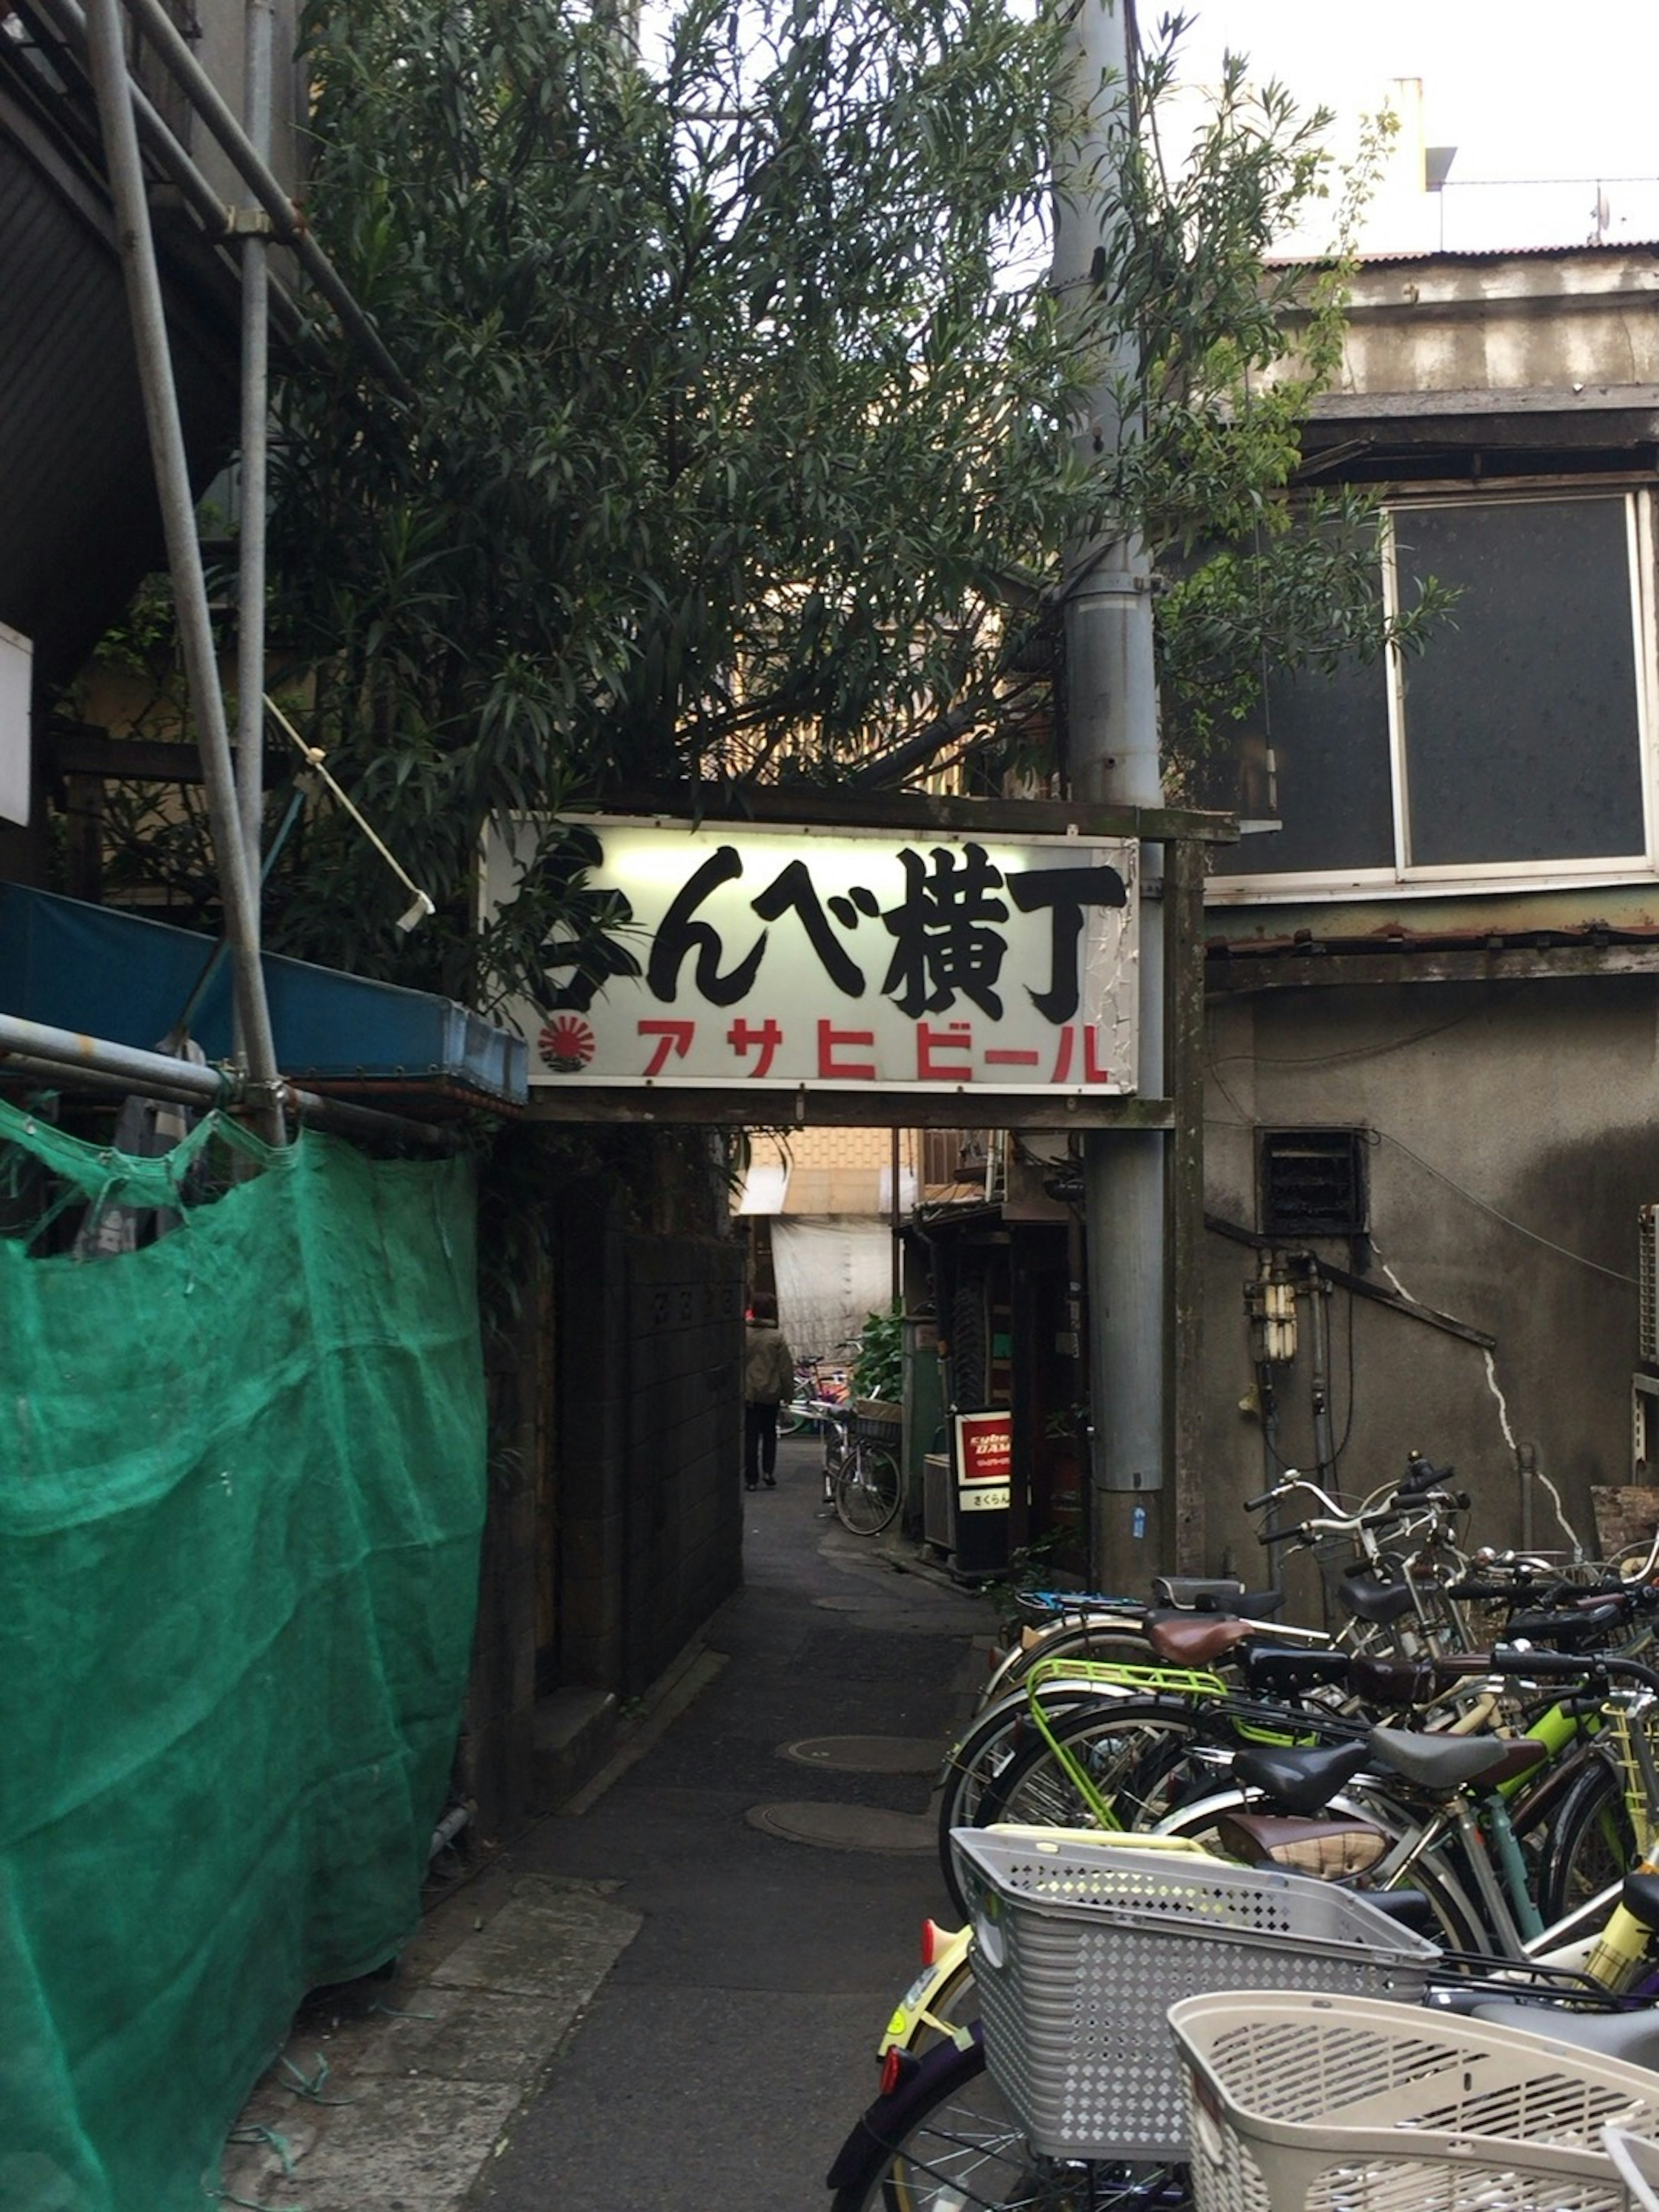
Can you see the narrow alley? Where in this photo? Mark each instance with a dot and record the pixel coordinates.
(729, 2046)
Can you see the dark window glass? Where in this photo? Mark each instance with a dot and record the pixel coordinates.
(1330, 788)
(1521, 715)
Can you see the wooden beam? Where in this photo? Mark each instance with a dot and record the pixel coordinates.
(86, 753)
(777, 1109)
(1243, 975)
(917, 811)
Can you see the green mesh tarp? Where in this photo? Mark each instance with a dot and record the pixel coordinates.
(241, 1483)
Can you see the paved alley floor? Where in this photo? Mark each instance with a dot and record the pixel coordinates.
(670, 1993)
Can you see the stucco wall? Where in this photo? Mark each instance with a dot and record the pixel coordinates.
(1533, 1102)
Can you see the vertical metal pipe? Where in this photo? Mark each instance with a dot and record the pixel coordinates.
(258, 41)
(1113, 756)
(896, 1224)
(1319, 1341)
(148, 312)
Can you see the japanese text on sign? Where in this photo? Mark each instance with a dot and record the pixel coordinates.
(763, 958)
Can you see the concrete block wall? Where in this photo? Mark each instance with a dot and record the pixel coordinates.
(684, 1520)
(494, 1767)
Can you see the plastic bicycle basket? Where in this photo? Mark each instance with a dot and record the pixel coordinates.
(1080, 1948)
(1335, 2104)
(1637, 2161)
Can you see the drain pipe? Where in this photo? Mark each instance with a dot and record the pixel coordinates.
(447, 1829)
(1112, 747)
(148, 312)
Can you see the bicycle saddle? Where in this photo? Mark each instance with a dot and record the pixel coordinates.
(1379, 1602)
(1632, 2036)
(1302, 1779)
(1445, 1763)
(1289, 1667)
(1193, 1639)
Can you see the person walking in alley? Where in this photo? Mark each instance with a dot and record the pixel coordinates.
(768, 1379)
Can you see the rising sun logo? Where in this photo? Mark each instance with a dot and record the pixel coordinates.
(566, 1045)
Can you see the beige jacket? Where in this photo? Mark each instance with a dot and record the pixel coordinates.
(769, 1368)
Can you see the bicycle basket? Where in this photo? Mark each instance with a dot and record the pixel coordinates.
(1305, 2104)
(877, 1422)
(1080, 1948)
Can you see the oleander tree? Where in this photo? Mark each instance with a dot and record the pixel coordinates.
(740, 438)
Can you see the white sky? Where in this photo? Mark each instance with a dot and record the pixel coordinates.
(1522, 90)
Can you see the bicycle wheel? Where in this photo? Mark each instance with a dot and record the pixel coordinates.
(867, 1490)
(1591, 1843)
(791, 1420)
(1145, 1758)
(950, 2144)
(980, 1753)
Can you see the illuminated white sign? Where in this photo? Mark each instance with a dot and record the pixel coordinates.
(16, 668)
(772, 959)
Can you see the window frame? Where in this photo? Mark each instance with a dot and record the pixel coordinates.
(1235, 886)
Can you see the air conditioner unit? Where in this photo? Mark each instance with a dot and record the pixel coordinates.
(1647, 1276)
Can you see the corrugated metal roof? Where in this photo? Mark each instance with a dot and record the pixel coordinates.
(1403, 256)
(82, 527)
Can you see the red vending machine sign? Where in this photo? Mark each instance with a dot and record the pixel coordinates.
(985, 1456)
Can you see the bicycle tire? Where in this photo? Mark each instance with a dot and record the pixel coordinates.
(979, 1755)
(948, 2143)
(868, 1491)
(1107, 1642)
(1145, 1756)
(1591, 1843)
(791, 1420)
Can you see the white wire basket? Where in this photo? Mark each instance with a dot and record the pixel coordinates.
(1300, 2103)
(1081, 1948)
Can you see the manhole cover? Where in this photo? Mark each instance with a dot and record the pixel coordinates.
(847, 1827)
(866, 1754)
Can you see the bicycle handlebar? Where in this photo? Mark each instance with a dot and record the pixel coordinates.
(1511, 1659)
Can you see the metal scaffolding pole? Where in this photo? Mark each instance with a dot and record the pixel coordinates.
(67, 18)
(148, 312)
(40, 1044)
(98, 1064)
(256, 414)
(251, 166)
(288, 224)
(1113, 756)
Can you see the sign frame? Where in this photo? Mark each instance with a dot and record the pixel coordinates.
(1178, 836)
(982, 1460)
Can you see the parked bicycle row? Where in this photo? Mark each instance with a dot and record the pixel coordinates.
(1452, 1800)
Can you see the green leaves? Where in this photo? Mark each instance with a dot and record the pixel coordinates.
(744, 441)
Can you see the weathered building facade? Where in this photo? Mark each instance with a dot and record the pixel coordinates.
(1433, 1037)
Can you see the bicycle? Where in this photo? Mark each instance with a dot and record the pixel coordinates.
(822, 1384)
(1065, 2096)
(867, 1486)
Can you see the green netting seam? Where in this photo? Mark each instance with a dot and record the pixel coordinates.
(99, 1171)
